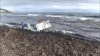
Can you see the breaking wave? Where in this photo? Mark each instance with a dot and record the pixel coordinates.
(16, 25)
(74, 18)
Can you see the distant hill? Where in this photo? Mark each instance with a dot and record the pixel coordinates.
(4, 11)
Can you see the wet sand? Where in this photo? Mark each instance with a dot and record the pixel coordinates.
(19, 42)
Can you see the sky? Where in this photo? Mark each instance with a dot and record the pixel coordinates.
(51, 6)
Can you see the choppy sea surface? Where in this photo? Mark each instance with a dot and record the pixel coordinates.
(86, 26)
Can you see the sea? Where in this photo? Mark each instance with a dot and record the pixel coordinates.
(86, 25)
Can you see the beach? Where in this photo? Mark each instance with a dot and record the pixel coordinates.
(22, 42)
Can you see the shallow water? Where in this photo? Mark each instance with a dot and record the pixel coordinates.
(86, 26)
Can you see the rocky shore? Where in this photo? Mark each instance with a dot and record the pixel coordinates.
(20, 42)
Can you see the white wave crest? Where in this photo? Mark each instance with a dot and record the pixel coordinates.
(32, 14)
(54, 16)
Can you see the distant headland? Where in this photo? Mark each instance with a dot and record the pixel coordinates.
(5, 11)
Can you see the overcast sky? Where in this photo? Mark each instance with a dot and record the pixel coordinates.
(51, 6)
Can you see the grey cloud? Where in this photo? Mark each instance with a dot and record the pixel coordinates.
(43, 4)
(46, 2)
(28, 1)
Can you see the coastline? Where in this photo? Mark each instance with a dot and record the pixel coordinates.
(15, 42)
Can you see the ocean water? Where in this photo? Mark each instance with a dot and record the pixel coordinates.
(86, 26)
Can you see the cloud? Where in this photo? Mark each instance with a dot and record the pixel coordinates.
(56, 6)
(92, 6)
(53, 5)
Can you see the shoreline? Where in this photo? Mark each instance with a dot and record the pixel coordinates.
(46, 31)
(25, 42)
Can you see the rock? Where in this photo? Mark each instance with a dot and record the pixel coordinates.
(21, 42)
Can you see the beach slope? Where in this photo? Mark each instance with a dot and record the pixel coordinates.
(20, 42)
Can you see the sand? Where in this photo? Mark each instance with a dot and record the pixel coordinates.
(21, 42)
